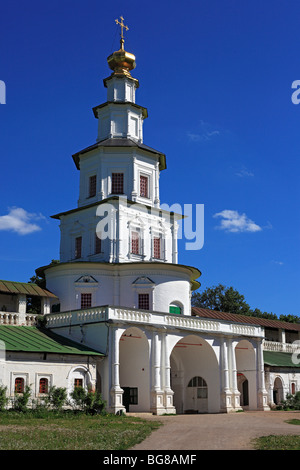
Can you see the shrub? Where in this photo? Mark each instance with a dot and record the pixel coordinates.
(89, 401)
(79, 395)
(21, 400)
(3, 398)
(94, 403)
(292, 402)
(57, 397)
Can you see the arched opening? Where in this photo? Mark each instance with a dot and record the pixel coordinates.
(243, 388)
(195, 378)
(134, 370)
(246, 374)
(79, 377)
(176, 307)
(277, 391)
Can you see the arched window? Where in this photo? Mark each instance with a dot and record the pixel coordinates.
(201, 385)
(43, 387)
(175, 308)
(19, 385)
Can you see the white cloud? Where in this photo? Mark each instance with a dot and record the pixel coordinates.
(205, 132)
(244, 172)
(232, 221)
(20, 221)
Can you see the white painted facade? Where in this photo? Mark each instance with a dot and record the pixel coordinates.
(60, 370)
(159, 354)
(120, 284)
(154, 360)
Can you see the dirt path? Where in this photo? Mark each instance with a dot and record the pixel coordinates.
(232, 431)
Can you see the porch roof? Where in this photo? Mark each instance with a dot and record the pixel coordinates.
(236, 317)
(279, 359)
(33, 339)
(28, 288)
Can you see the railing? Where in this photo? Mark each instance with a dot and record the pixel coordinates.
(281, 347)
(15, 318)
(108, 313)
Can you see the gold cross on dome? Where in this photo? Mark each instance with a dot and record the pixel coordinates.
(122, 26)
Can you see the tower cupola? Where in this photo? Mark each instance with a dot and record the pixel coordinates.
(120, 116)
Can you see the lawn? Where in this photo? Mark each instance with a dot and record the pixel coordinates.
(25, 431)
(288, 442)
(278, 443)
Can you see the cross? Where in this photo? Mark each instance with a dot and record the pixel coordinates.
(122, 26)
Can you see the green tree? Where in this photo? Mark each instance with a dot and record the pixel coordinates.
(222, 299)
(290, 318)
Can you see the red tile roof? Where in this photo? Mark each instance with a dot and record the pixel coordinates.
(234, 317)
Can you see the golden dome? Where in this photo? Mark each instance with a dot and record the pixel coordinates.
(121, 61)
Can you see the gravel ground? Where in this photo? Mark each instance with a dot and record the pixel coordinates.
(233, 431)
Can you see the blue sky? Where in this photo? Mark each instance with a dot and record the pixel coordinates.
(216, 78)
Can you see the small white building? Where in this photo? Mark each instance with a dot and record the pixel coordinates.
(122, 293)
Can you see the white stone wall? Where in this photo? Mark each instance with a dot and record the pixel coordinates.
(60, 370)
(104, 161)
(120, 284)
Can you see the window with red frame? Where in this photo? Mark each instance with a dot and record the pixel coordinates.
(156, 248)
(144, 186)
(117, 183)
(135, 243)
(78, 247)
(78, 383)
(19, 385)
(92, 186)
(86, 300)
(43, 388)
(144, 302)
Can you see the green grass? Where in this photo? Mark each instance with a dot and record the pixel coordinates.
(288, 442)
(72, 431)
(294, 421)
(277, 443)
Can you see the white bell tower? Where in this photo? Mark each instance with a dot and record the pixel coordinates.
(118, 247)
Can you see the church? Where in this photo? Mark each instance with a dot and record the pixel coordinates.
(116, 311)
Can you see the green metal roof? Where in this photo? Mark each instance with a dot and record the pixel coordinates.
(279, 359)
(28, 288)
(33, 339)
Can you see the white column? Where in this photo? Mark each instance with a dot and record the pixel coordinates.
(226, 395)
(134, 179)
(157, 394)
(116, 393)
(156, 185)
(174, 229)
(168, 392)
(21, 306)
(233, 376)
(45, 305)
(262, 395)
